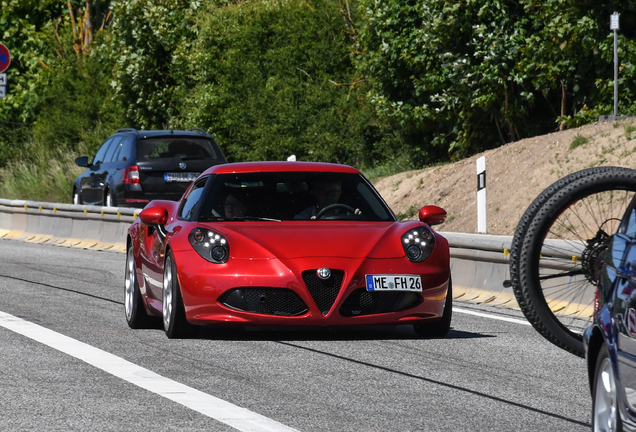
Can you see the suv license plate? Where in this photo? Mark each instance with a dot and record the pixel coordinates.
(180, 177)
(394, 283)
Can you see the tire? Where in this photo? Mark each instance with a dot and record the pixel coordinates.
(174, 321)
(109, 201)
(558, 246)
(136, 315)
(77, 198)
(440, 328)
(605, 404)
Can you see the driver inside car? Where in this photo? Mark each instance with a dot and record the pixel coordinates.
(327, 193)
(233, 207)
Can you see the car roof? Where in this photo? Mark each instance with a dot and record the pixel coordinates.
(157, 133)
(250, 167)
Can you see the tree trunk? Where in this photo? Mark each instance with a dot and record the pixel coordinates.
(562, 125)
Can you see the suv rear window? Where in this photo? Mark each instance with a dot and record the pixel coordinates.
(182, 148)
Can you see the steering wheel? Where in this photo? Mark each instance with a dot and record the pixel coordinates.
(332, 207)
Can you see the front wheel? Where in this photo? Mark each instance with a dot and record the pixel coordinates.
(174, 321)
(136, 315)
(77, 199)
(442, 327)
(558, 247)
(109, 201)
(605, 405)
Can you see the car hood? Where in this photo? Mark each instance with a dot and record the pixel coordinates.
(315, 239)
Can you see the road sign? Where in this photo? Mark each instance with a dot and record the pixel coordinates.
(3, 79)
(614, 21)
(3, 92)
(5, 58)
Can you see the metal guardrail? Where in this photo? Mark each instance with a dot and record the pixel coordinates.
(479, 267)
(90, 227)
(479, 262)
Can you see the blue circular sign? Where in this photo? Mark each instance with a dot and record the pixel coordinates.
(5, 58)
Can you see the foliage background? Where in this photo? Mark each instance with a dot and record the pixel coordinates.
(384, 85)
(464, 76)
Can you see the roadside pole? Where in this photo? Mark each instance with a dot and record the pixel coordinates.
(481, 195)
(615, 26)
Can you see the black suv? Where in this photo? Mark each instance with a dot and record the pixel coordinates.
(134, 167)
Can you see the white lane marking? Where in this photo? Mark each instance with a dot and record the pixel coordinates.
(232, 415)
(495, 317)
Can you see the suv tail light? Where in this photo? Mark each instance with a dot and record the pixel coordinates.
(131, 175)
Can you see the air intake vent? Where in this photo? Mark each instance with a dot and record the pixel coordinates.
(266, 301)
(363, 302)
(324, 292)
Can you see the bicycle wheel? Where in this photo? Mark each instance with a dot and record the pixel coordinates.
(558, 247)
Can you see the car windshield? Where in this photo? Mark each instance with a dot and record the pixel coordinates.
(287, 196)
(183, 148)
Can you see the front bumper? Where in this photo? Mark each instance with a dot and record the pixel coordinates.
(268, 292)
(133, 196)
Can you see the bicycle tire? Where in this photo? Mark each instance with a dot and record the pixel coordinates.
(557, 246)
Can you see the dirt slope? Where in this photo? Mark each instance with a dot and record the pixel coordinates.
(516, 173)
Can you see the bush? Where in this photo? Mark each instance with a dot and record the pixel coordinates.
(275, 79)
(40, 173)
(462, 77)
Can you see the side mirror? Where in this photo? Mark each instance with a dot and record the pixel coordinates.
(432, 215)
(154, 216)
(82, 161)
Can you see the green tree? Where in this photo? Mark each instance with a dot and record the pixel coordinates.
(467, 75)
(275, 79)
(150, 40)
(568, 57)
(27, 28)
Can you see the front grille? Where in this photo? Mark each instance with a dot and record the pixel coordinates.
(363, 302)
(324, 292)
(266, 301)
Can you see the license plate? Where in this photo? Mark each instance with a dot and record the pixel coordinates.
(180, 177)
(394, 283)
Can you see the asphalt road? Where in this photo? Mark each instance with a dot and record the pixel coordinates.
(488, 374)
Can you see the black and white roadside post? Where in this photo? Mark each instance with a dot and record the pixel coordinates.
(3, 85)
(614, 26)
(5, 61)
(481, 195)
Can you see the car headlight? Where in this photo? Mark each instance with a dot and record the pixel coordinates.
(211, 245)
(418, 243)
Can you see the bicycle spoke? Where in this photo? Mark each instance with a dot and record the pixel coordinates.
(558, 275)
(558, 247)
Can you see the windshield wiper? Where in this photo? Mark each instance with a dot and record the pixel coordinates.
(212, 218)
(185, 158)
(236, 218)
(255, 218)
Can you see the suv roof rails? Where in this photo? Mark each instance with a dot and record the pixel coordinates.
(198, 130)
(128, 130)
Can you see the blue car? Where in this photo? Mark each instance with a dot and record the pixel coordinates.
(572, 262)
(610, 342)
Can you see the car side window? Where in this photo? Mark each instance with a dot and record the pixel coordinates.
(630, 224)
(125, 150)
(112, 149)
(99, 156)
(189, 205)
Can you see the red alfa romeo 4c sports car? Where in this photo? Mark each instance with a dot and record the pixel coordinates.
(285, 243)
